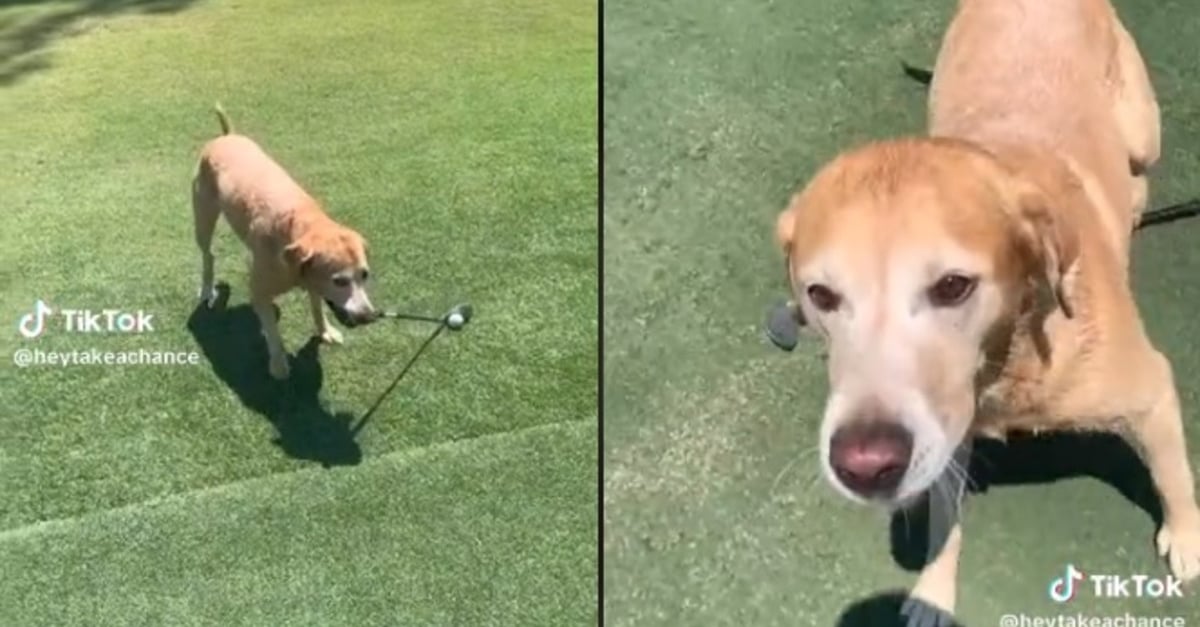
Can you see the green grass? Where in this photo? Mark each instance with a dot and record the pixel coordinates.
(714, 510)
(460, 139)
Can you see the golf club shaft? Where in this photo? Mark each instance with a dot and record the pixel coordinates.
(1169, 214)
(362, 422)
(400, 316)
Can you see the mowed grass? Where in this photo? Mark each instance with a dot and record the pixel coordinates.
(715, 513)
(460, 138)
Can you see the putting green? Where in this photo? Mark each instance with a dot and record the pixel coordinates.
(714, 510)
(460, 139)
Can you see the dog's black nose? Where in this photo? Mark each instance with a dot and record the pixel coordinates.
(870, 457)
(366, 317)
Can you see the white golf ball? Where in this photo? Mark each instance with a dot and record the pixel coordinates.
(455, 320)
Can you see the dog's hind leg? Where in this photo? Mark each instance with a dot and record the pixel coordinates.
(1157, 433)
(206, 209)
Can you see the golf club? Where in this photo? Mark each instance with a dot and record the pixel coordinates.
(455, 319)
(1163, 215)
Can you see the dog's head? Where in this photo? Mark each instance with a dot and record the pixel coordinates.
(910, 257)
(332, 263)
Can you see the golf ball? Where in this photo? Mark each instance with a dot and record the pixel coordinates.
(455, 320)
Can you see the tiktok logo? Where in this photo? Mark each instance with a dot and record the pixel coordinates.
(33, 323)
(1063, 588)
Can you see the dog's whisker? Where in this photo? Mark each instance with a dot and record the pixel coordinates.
(961, 474)
(941, 487)
(968, 481)
(814, 481)
(973, 483)
(791, 464)
(955, 470)
(778, 477)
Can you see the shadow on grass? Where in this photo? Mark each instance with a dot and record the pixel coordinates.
(27, 35)
(881, 610)
(234, 346)
(1037, 459)
(1022, 460)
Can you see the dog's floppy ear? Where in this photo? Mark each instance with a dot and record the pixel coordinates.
(785, 224)
(300, 254)
(1053, 244)
(785, 231)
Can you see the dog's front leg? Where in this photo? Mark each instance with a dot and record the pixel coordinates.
(277, 355)
(1158, 433)
(322, 330)
(931, 602)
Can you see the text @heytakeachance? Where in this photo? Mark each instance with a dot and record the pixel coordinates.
(36, 357)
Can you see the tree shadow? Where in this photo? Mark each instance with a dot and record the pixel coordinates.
(26, 36)
(233, 344)
(1027, 459)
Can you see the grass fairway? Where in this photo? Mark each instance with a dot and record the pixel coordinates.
(460, 139)
(715, 112)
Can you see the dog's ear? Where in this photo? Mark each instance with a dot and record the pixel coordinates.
(299, 254)
(785, 224)
(785, 232)
(1049, 240)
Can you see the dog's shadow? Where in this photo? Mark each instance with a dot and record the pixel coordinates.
(881, 610)
(1027, 459)
(231, 341)
(1022, 460)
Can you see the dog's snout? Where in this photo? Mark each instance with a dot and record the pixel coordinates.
(870, 457)
(363, 317)
(356, 319)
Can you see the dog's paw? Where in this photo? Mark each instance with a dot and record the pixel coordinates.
(330, 336)
(918, 613)
(208, 296)
(1180, 544)
(279, 368)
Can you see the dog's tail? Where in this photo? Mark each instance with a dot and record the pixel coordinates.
(223, 118)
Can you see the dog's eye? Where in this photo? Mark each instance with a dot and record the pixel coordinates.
(341, 281)
(823, 298)
(366, 274)
(952, 289)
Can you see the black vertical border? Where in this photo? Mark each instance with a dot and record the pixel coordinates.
(600, 312)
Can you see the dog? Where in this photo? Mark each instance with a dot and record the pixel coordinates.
(973, 282)
(292, 241)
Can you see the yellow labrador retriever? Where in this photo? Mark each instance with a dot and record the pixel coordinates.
(292, 242)
(974, 282)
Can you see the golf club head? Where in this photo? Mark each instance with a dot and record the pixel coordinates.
(784, 320)
(464, 309)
